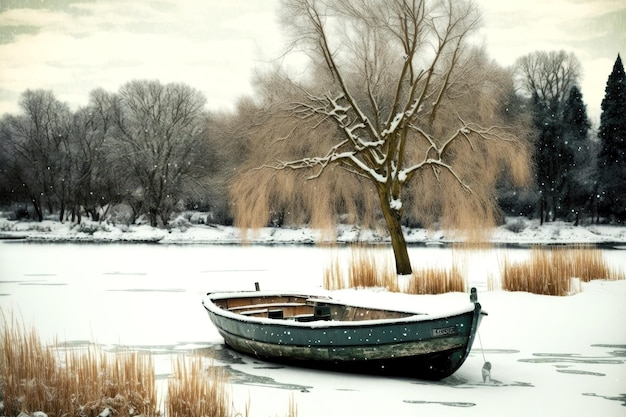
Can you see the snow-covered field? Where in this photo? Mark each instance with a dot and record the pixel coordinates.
(551, 356)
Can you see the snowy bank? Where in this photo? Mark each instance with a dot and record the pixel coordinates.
(515, 232)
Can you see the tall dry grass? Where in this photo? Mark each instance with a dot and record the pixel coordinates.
(550, 271)
(82, 383)
(370, 267)
(434, 280)
(85, 382)
(196, 391)
(589, 264)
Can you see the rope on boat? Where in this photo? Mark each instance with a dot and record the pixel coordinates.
(486, 371)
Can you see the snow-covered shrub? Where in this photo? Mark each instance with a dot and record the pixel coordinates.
(196, 217)
(120, 214)
(6, 227)
(180, 223)
(91, 228)
(39, 228)
(516, 226)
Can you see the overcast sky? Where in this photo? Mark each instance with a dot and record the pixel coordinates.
(74, 46)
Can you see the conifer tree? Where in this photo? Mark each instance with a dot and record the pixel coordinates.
(547, 78)
(576, 155)
(612, 155)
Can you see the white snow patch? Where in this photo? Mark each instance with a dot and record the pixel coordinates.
(529, 232)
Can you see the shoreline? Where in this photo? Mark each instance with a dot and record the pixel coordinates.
(529, 233)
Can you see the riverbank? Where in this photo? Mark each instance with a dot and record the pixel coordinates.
(517, 231)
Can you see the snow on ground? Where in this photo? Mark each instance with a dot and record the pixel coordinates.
(550, 355)
(516, 231)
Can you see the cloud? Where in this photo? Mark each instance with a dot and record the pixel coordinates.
(591, 29)
(71, 50)
(74, 46)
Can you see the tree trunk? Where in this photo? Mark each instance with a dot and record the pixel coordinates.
(37, 208)
(393, 218)
(62, 212)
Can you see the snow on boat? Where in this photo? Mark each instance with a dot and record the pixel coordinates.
(320, 332)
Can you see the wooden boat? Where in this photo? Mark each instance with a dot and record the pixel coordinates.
(321, 332)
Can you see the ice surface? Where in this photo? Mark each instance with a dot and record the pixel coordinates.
(550, 355)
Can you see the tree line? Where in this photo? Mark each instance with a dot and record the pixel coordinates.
(156, 150)
(579, 173)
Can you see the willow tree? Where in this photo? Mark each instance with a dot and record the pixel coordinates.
(398, 101)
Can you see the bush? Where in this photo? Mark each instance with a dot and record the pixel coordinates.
(121, 214)
(180, 222)
(91, 228)
(516, 226)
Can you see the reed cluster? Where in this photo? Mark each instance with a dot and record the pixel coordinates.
(434, 280)
(550, 271)
(370, 267)
(80, 383)
(196, 391)
(89, 382)
(589, 264)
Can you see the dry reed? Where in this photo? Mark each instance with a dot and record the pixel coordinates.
(194, 391)
(372, 268)
(368, 268)
(292, 411)
(436, 281)
(590, 264)
(550, 271)
(84, 383)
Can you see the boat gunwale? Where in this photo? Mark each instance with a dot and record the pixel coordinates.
(415, 317)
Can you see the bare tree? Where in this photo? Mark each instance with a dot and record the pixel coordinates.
(397, 100)
(159, 142)
(34, 142)
(548, 75)
(92, 182)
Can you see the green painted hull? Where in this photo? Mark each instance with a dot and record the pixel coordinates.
(415, 345)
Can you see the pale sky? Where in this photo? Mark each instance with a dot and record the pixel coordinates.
(74, 46)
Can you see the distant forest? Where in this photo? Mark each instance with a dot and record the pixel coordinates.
(151, 151)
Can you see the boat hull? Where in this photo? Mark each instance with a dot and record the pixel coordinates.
(420, 347)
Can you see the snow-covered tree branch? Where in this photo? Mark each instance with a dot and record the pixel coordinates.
(397, 96)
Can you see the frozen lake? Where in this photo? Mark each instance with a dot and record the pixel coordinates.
(148, 297)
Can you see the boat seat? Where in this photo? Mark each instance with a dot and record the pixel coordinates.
(320, 313)
(276, 313)
(253, 312)
(304, 317)
(265, 306)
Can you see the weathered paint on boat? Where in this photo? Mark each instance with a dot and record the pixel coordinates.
(348, 338)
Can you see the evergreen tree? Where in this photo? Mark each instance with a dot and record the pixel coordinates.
(575, 155)
(547, 78)
(612, 155)
(548, 152)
